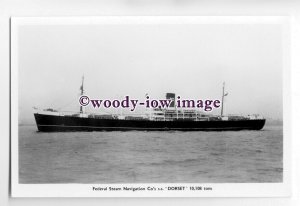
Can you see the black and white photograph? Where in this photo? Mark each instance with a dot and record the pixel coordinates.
(149, 106)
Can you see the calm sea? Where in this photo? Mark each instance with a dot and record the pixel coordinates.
(151, 157)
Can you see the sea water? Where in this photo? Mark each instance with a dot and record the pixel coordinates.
(151, 157)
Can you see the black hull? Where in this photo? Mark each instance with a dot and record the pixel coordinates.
(50, 123)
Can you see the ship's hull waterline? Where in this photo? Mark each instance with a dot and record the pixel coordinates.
(51, 123)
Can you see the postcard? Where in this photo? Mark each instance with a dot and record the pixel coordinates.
(150, 106)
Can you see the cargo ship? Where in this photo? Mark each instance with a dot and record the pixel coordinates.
(158, 119)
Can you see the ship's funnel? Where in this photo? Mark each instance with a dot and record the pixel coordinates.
(171, 96)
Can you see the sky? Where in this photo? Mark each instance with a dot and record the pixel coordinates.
(191, 60)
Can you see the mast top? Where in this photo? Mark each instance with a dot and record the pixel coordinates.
(81, 87)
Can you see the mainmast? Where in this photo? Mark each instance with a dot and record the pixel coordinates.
(81, 93)
(223, 95)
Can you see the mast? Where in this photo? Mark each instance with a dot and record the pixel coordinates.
(223, 95)
(81, 93)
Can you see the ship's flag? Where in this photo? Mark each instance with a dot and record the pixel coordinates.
(226, 94)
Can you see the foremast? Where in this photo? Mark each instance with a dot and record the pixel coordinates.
(81, 93)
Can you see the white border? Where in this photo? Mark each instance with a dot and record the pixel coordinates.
(85, 190)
